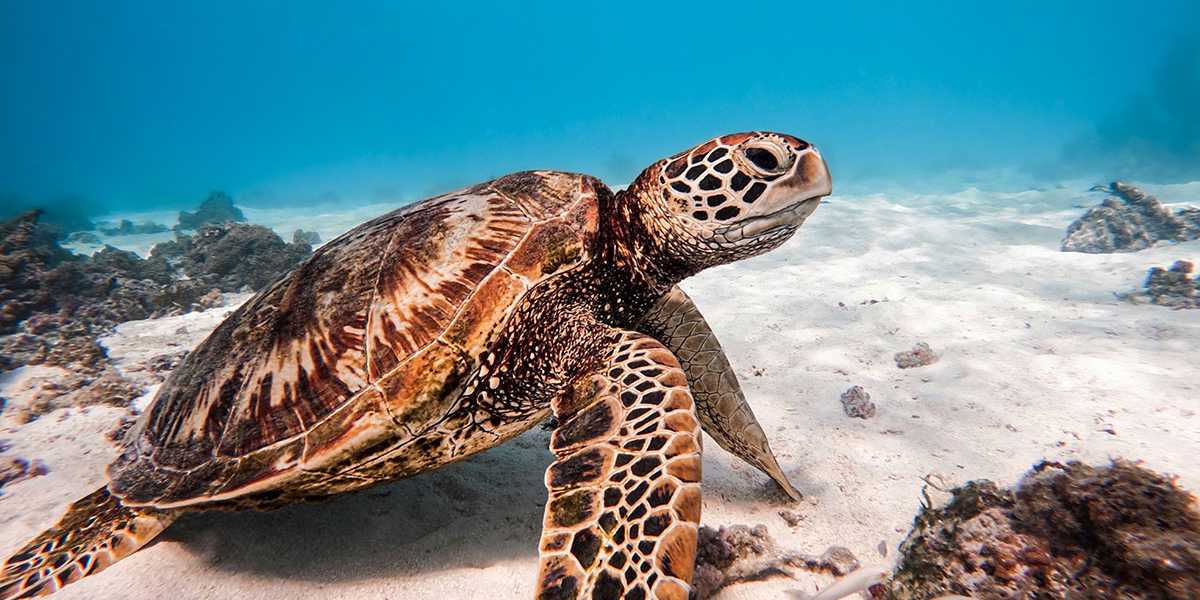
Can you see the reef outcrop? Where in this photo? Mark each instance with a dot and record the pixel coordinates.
(1128, 221)
(56, 304)
(1065, 532)
(230, 257)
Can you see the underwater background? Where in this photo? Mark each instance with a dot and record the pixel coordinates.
(139, 105)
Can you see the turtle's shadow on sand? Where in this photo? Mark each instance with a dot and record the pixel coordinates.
(471, 514)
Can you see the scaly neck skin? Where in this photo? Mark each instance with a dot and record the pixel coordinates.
(631, 265)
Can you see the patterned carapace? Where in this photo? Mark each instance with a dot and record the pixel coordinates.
(448, 326)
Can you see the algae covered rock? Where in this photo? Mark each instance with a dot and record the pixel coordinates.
(1066, 532)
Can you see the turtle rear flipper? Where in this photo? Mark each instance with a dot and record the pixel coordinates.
(96, 532)
(624, 508)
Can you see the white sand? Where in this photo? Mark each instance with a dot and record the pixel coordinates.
(1038, 361)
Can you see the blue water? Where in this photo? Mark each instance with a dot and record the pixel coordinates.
(112, 105)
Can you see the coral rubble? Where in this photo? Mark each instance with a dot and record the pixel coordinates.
(738, 553)
(856, 402)
(1069, 531)
(1128, 221)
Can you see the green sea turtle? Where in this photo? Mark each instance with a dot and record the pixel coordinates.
(453, 324)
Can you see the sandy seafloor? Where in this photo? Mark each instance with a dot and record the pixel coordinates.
(1039, 361)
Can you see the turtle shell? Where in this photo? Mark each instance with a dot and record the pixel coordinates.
(363, 343)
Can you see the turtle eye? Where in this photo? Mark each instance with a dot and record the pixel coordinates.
(762, 158)
(767, 158)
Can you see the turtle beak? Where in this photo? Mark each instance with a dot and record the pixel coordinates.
(809, 181)
(791, 200)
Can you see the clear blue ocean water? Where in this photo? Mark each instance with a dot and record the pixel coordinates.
(135, 105)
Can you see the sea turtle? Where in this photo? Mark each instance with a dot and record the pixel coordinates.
(453, 324)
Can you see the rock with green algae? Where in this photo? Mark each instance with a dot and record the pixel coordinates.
(1069, 532)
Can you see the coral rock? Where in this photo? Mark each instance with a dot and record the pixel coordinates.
(1169, 287)
(920, 356)
(218, 208)
(127, 227)
(301, 236)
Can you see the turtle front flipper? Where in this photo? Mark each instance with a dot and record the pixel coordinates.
(724, 413)
(96, 532)
(624, 507)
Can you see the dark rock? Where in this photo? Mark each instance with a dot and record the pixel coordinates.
(1191, 222)
(116, 434)
(74, 389)
(738, 553)
(127, 227)
(213, 299)
(231, 256)
(1129, 221)
(218, 208)
(161, 363)
(83, 237)
(301, 236)
(791, 518)
(856, 402)
(920, 356)
(1067, 532)
(20, 469)
(1169, 287)
(838, 560)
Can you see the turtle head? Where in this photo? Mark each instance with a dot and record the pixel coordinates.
(734, 197)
